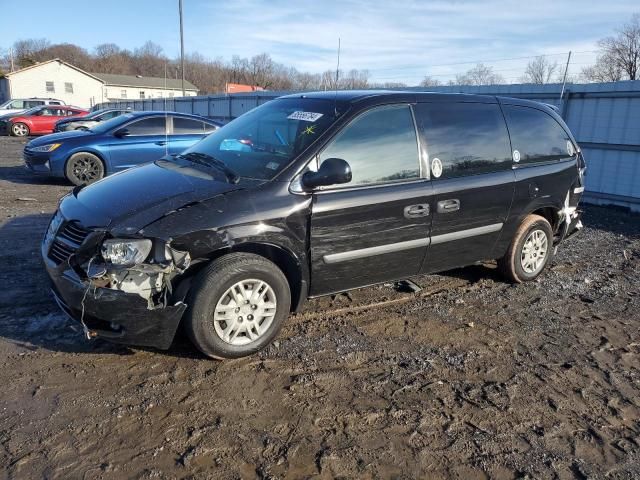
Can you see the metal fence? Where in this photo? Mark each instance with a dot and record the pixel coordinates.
(604, 117)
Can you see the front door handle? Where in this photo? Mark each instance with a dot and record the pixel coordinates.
(161, 143)
(415, 211)
(447, 206)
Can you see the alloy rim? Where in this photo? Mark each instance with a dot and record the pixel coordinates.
(534, 251)
(245, 312)
(20, 130)
(86, 169)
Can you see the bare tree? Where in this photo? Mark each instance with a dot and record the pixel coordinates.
(479, 75)
(429, 81)
(606, 69)
(539, 71)
(623, 49)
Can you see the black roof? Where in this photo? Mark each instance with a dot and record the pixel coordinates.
(384, 96)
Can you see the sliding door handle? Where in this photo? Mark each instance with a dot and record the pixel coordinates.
(447, 206)
(415, 211)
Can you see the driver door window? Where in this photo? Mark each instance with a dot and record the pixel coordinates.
(380, 146)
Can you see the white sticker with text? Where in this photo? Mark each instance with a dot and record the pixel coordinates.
(305, 116)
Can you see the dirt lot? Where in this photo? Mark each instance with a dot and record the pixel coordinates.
(470, 378)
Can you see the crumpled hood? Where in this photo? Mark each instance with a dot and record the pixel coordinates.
(128, 201)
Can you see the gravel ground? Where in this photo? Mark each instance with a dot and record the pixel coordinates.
(469, 378)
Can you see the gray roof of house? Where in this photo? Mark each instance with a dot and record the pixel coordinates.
(149, 82)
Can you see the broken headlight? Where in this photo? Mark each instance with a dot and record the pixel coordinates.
(126, 253)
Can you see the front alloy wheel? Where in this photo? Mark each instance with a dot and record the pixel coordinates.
(84, 168)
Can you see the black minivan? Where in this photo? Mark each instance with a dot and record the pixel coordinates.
(309, 195)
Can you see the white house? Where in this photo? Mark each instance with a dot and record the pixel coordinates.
(135, 87)
(58, 79)
(53, 79)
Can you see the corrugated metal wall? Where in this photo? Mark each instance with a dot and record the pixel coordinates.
(604, 117)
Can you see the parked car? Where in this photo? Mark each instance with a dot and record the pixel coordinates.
(4, 119)
(18, 105)
(310, 195)
(41, 121)
(88, 121)
(83, 157)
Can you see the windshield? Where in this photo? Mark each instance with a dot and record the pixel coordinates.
(263, 141)
(104, 127)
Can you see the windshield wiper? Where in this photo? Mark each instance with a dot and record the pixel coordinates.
(209, 161)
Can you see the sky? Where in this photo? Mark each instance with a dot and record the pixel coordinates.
(396, 40)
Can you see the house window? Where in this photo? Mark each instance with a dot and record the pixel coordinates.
(50, 87)
(141, 93)
(123, 94)
(68, 87)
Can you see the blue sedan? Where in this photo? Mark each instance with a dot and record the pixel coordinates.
(83, 157)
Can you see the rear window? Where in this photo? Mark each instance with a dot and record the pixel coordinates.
(536, 136)
(464, 138)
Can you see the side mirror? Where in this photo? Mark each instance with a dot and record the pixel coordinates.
(121, 132)
(332, 171)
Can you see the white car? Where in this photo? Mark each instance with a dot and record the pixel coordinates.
(18, 105)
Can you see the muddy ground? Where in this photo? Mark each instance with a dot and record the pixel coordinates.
(470, 378)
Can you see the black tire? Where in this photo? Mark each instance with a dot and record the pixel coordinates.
(84, 168)
(511, 265)
(20, 130)
(211, 286)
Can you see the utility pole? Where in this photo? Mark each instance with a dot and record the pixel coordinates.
(11, 58)
(564, 79)
(181, 46)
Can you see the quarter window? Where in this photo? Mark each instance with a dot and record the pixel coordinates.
(148, 126)
(68, 87)
(536, 135)
(182, 126)
(464, 138)
(50, 87)
(380, 146)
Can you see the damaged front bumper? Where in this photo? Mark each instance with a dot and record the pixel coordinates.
(115, 315)
(133, 305)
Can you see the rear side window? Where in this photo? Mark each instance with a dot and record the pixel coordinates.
(148, 126)
(380, 146)
(537, 136)
(33, 103)
(183, 126)
(464, 138)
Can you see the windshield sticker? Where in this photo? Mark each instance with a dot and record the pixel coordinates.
(305, 116)
(310, 130)
(272, 165)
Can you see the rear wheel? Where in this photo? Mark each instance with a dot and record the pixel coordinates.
(20, 130)
(84, 168)
(237, 306)
(530, 250)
